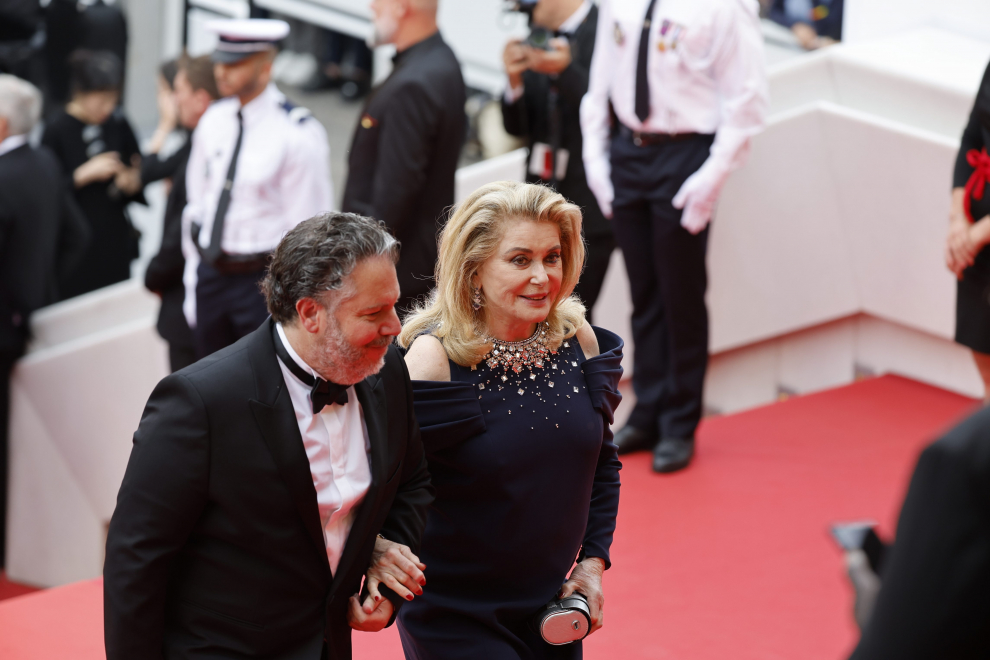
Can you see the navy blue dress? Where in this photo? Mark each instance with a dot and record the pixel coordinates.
(527, 478)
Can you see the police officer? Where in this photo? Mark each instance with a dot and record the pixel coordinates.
(258, 167)
(547, 79)
(687, 83)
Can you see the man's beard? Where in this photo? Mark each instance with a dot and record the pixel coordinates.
(344, 363)
(383, 31)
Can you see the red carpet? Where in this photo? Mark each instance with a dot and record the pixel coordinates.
(10, 589)
(730, 559)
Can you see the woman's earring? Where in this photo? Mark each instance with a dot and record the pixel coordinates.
(476, 298)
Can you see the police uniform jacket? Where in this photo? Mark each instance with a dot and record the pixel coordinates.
(706, 75)
(282, 178)
(404, 155)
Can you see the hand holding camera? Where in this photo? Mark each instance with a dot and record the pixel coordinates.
(539, 53)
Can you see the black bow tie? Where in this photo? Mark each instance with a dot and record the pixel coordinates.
(322, 392)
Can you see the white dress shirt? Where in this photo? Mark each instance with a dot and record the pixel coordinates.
(13, 142)
(282, 178)
(337, 446)
(707, 75)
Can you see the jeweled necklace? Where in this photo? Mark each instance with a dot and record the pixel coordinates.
(515, 356)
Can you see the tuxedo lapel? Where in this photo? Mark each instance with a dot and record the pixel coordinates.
(371, 394)
(276, 420)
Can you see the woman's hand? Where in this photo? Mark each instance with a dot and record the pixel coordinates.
(100, 167)
(957, 256)
(374, 621)
(586, 579)
(958, 249)
(395, 566)
(168, 118)
(128, 179)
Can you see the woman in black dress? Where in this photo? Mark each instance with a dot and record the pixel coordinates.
(99, 152)
(514, 393)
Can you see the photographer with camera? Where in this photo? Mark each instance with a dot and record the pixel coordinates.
(548, 76)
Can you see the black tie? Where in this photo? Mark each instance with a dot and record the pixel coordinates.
(212, 253)
(642, 79)
(322, 392)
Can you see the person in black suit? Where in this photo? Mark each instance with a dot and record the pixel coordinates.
(100, 155)
(42, 236)
(269, 478)
(934, 599)
(407, 143)
(194, 90)
(542, 104)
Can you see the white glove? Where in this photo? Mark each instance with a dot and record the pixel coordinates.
(599, 176)
(698, 195)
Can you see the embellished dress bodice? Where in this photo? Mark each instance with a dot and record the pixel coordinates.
(526, 476)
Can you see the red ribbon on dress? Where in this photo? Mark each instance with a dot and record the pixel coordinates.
(980, 162)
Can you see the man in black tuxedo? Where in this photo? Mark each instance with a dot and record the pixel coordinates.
(194, 90)
(542, 104)
(269, 478)
(43, 234)
(934, 601)
(407, 143)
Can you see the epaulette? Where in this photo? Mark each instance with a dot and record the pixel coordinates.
(297, 113)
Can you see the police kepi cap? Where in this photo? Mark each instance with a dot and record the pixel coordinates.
(242, 37)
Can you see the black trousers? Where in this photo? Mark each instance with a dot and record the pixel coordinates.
(599, 253)
(7, 360)
(228, 307)
(667, 279)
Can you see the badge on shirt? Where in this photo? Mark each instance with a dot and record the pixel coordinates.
(367, 121)
(670, 35)
(620, 38)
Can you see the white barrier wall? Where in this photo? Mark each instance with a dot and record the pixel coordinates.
(76, 399)
(825, 262)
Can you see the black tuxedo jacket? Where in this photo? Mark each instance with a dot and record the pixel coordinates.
(164, 273)
(529, 117)
(404, 156)
(216, 549)
(43, 234)
(935, 598)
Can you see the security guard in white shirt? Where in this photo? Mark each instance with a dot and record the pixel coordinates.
(258, 167)
(687, 83)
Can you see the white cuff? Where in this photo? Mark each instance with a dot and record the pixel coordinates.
(513, 94)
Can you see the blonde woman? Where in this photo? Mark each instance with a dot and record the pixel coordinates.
(514, 394)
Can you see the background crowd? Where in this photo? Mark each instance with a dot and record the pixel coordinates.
(643, 147)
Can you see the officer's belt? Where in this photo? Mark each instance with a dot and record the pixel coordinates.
(232, 264)
(641, 139)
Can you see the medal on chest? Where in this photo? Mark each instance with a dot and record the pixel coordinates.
(670, 35)
(620, 38)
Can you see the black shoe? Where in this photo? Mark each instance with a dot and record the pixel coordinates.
(673, 454)
(629, 439)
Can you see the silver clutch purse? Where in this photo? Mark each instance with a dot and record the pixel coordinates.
(564, 620)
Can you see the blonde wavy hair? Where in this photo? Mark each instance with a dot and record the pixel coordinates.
(472, 236)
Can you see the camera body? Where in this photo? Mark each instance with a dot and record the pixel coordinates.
(539, 38)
